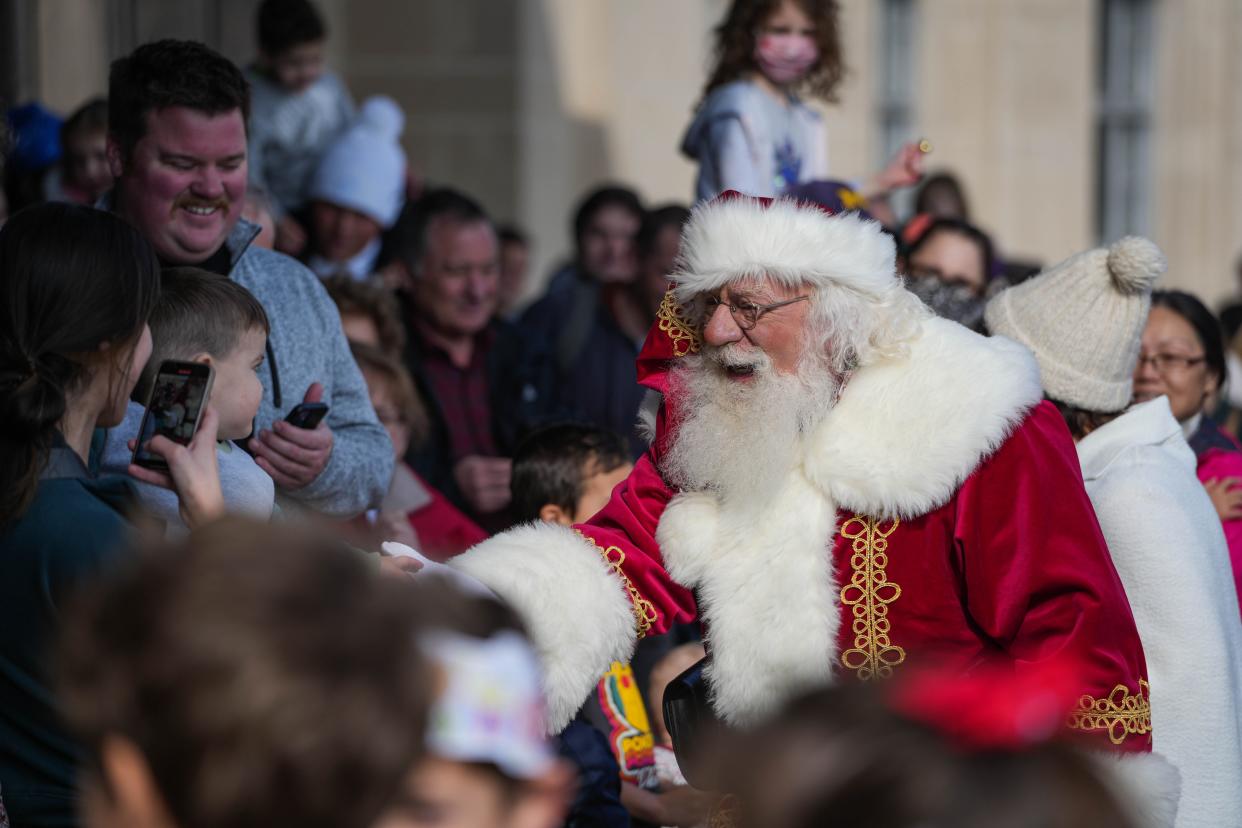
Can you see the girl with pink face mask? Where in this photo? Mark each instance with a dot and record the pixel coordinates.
(752, 131)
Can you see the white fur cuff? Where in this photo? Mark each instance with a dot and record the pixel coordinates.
(1147, 785)
(574, 606)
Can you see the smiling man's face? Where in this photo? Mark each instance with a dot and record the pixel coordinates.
(184, 184)
(779, 334)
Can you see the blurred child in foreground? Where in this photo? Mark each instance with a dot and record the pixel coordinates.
(935, 751)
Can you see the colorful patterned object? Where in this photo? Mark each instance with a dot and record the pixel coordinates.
(491, 708)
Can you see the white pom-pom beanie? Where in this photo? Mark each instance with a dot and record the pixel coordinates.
(1083, 319)
(364, 169)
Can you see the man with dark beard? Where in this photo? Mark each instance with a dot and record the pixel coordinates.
(838, 484)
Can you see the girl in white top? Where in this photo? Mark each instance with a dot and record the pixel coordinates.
(752, 131)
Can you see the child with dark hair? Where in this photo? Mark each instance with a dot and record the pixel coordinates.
(206, 318)
(250, 675)
(564, 474)
(412, 512)
(297, 110)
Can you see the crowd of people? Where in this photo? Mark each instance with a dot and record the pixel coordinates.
(773, 508)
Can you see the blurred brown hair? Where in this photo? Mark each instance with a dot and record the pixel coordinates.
(840, 757)
(735, 45)
(376, 363)
(268, 675)
(373, 301)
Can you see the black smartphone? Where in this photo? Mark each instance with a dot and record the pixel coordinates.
(307, 415)
(178, 398)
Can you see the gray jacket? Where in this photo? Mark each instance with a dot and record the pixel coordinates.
(307, 345)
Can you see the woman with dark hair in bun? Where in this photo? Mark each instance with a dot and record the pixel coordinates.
(1183, 358)
(76, 288)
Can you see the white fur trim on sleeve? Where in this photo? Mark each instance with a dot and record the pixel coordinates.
(1147, 785)
(576, 609)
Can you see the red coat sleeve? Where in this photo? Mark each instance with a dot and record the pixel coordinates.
(624, 530)
(1039, 580)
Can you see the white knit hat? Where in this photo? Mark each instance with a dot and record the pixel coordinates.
(364, 169)
(735, 236)
(1083, 319)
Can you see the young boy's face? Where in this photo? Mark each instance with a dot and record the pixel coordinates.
(236, 391)
(297, 67)
(597, 488)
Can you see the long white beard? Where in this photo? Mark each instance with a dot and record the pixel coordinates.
(740, 439)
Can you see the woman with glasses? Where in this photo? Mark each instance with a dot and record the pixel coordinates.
(1182, 357)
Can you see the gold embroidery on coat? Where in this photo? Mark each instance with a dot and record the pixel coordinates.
(644, 611)
(673, 322)
(868, 595)
(1121, 713)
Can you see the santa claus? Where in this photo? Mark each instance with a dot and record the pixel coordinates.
(838, 485)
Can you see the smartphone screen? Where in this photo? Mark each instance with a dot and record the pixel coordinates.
(177, 401)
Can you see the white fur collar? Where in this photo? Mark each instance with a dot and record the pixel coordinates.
(909, 431)
(765, 587)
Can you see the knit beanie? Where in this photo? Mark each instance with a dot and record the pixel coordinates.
(1083, 319)
(364, 168)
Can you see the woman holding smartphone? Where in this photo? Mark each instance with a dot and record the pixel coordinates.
(76, 288)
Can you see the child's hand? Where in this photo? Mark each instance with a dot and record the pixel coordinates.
(904, 169)
(192, 473)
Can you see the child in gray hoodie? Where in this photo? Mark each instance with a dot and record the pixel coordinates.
(207, 318)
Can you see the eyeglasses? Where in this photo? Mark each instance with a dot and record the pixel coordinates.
(1164, 363)
(746, 314)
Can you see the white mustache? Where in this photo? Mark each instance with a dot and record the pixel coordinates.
(729, 356)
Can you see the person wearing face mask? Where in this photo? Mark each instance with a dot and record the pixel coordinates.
(752, 131)
(949, 265)
(1183, 358)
